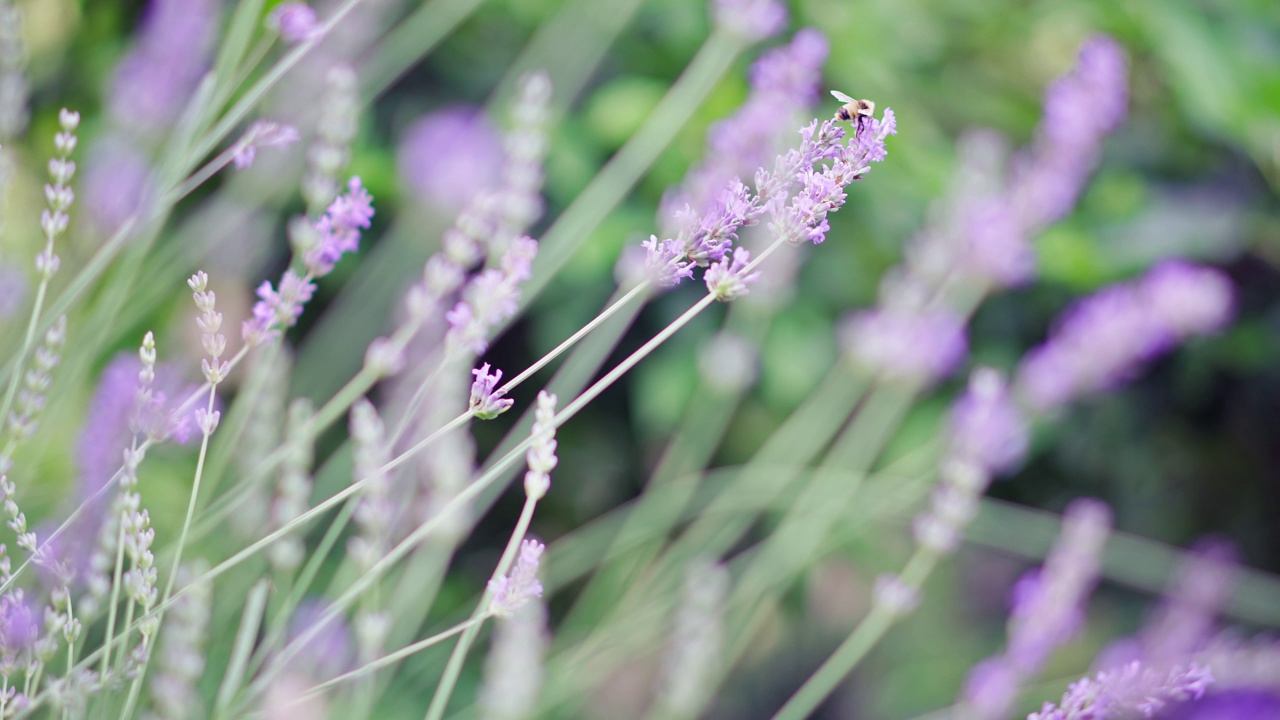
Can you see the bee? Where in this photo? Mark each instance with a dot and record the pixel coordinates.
(859, 112)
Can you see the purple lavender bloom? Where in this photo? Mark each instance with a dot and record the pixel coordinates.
(751, 19)
(919, 347)
(339, 229)
(998, 251)
(154, 81)
(274, 310)
(664, 262)
(1048, 605)
(451, 156)
(1080, 108)
(1047, 611)
(1132, 691)
(516, 588)
(986, 426)
(1188, 299)
(784, 84)
(1103, 339)
(492, 297)
(1233, 704)
(728, 279)
(487, 404)
(262, 134)
(18, 628)
(705, 239)
(295, 21)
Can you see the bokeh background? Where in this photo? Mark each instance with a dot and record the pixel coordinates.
(1191, 448)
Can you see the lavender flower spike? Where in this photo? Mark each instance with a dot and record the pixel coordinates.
(751, 19)
(295, 21)
(1132, 691)
(665, 263)
(541, 456)
(728, 279)
(904, 345)
(516, 588)
(339, 229)
(1104, 338)
(1047, 611)
(486, 403)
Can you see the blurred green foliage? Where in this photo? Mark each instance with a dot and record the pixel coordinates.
(1188, 449)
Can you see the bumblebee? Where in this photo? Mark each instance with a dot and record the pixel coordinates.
(859, 112)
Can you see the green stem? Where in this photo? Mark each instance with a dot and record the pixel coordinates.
(856, 646)
(444, 689)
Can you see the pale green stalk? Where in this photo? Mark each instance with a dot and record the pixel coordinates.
(394, 657)
(868, 632)
(444, 688)
(254, 606)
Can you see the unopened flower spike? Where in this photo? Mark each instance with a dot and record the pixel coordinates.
(486, 402)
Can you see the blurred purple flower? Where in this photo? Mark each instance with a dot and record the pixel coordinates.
(295, 21)
(171, 53)
(1103, 339)
(1132, 691)
(492, 297)
(13, 289)
(328, 652)
(451, 156)
(116, 183)
(986, 426)
(18, 628)
(1080, 108)
(751, 19)
(920, 347)
(1048, 608)
(1233, 704)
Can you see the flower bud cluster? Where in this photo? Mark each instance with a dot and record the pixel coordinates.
(58, 194)
(320, 245)
(696, 641)
(181, 649)
(374, 511)
(486, 402)
(293, 491)
(541, 455)
(339, 115)
(17, 520)
(214, 342)
(23, 419)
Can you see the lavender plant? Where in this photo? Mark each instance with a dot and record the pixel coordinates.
(242, 536)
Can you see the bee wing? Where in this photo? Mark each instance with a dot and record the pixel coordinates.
(841, 96)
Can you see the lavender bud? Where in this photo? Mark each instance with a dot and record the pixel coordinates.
(514, 589)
